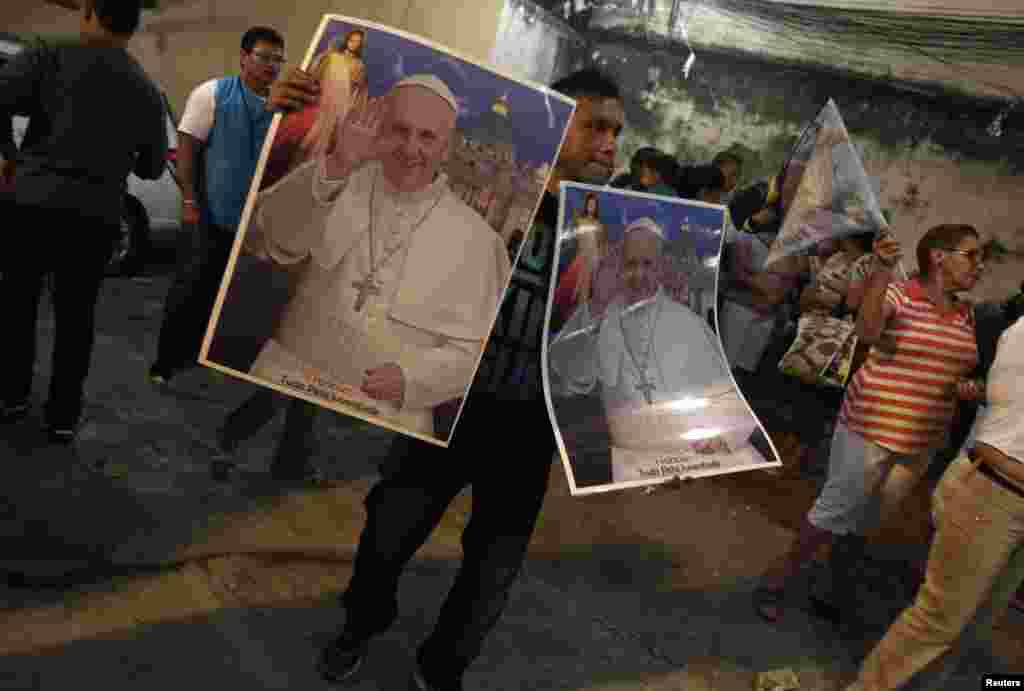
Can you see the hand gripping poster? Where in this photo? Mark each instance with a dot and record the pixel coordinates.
(373, 251)
(635, 378)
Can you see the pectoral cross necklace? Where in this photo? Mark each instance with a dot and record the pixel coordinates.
(643, 384)
(369, 286)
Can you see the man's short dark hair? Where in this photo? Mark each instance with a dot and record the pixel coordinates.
(588, 83)
(941, 237)
(121, 17)
(667, 168)
(259, 34)
(724, 157)
(644, 156)
(747, 202)
(695, 179)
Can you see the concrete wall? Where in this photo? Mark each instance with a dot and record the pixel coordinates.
(934, 158)
(535, 47)
(192, 41)
(828, 41)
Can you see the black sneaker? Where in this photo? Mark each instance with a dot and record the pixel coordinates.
(342, 658)
(13, 412)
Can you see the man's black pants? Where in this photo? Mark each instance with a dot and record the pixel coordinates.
(203, 254)
(75, 250)
(508, 485)
(298, 443)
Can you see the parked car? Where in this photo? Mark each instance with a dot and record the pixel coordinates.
(152, 208)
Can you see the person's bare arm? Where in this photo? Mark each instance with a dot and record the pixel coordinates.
(875, 310)
(809, 300)
(194, 129)
(189, 149)
(768, 288)
(792, 265)
(855, 288)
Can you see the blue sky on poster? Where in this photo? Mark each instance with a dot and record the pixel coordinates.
(618, 209)
(538, 120)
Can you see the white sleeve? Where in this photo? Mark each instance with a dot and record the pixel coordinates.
(326, 189)
(573, 356)
(1004, 376)
(197, 120)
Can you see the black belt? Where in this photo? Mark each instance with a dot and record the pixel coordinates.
(995, 477)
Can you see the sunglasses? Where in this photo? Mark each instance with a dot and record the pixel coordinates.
(973, 256)
(268, 59)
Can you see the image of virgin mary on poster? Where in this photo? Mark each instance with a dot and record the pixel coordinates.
(636, 382)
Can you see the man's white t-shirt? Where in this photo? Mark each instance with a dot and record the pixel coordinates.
(200, 110)
(197, 120)
(999, 425)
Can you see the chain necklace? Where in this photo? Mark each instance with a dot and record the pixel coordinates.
(643, 384)
(368, 285)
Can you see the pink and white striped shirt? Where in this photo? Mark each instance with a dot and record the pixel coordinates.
(903, 397)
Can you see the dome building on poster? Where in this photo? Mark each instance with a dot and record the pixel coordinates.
(486, 173)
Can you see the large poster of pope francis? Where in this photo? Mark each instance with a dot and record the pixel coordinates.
(635, 377)
(382, 227)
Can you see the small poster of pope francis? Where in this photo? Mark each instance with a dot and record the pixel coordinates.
(636, 380)
(377, 240)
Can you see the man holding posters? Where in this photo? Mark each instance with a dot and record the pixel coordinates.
(399, 278)
(408, 503)
(652, 402)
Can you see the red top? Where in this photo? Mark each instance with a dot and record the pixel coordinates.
(903, 397)
(564, 301)
(290, 132)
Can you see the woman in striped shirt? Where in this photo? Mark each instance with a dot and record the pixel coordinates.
(898, 408)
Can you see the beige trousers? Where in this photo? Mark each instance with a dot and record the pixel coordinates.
(975, 566)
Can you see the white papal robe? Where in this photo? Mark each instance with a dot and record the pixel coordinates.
(437, 299)
(693, 399)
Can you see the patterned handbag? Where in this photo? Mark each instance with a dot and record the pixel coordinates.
(822, 353)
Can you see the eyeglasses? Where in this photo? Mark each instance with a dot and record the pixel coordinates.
(269, 59)
(974, 256)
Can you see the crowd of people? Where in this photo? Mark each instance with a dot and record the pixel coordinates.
(915, 390)
(923, 351)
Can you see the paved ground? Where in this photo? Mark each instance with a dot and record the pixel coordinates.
(200, 584)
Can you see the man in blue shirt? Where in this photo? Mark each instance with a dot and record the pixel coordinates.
(220, 140)
(66, 193)
(221, 136)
